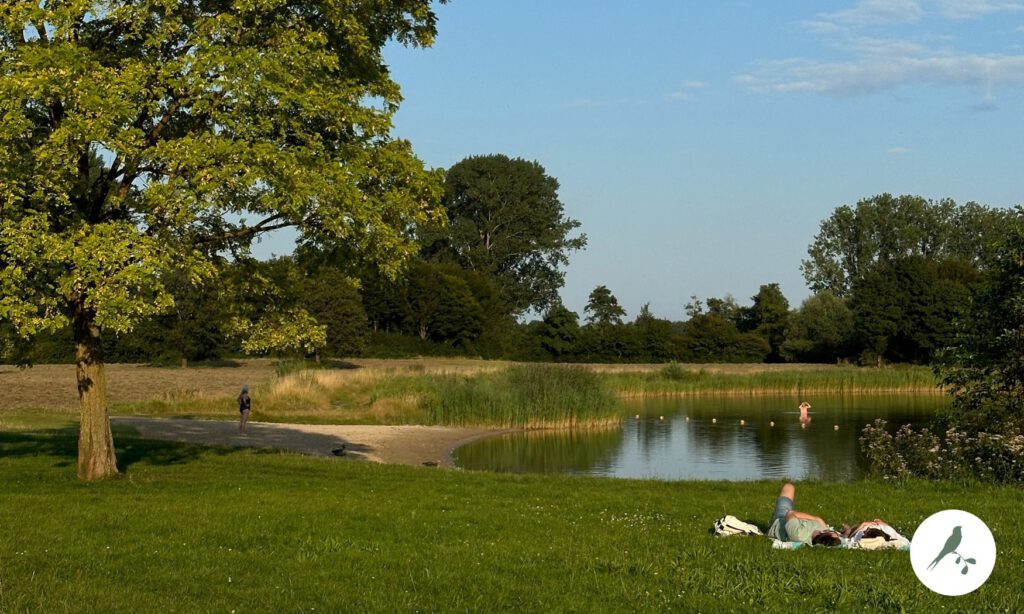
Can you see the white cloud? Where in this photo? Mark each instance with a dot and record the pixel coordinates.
(874, 72)
(972, 9)
(868, 13)
(686, 93)
(875, 12)
(897, 151)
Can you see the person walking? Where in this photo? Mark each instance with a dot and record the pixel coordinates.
(244, 405)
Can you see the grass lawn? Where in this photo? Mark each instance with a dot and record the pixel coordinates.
(193, 529)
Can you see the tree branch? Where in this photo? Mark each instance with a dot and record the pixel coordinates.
(40, 27)
(250, 231)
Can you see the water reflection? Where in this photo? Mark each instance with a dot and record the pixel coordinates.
(723, 438)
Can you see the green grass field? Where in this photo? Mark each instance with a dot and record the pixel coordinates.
(194, 529)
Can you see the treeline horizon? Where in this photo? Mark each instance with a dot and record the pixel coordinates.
(890, 277)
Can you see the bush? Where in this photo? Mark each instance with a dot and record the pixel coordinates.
(955, 454)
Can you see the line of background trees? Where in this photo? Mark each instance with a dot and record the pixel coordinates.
(890, 277)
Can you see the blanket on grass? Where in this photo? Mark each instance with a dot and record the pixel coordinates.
(869, 536)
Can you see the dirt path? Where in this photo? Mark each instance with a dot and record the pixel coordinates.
(404, 445)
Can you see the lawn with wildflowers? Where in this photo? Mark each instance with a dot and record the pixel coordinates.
(189, 528)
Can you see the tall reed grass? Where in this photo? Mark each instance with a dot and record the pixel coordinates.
(532, 396)
(675, 379)
(521, 396)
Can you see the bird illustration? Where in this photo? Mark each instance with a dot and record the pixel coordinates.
(952, 543)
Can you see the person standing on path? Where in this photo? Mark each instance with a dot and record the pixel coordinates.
(244, 405)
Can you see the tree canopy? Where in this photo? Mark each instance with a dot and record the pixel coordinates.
(886, 227)
(142, 138)
(985, 364)
(505, 220)
(603, 308)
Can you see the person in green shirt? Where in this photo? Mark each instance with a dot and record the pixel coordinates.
(789, 525)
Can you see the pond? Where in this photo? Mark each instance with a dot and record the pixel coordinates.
(703, 438)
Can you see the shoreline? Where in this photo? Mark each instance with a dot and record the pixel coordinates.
(401, 445)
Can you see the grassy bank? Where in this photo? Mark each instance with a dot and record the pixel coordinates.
(679, 380)
(537, 395)
(198, 529)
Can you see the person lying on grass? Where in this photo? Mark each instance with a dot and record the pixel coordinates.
(789, 525)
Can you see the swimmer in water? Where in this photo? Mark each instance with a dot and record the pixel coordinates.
(805, 418)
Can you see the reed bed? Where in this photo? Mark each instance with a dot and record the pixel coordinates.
(532, 396)
(508, 395)
(677, 380)
(529, 396)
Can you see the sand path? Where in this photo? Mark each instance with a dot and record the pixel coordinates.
(405, 445)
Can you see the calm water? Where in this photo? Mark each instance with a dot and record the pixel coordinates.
(702, 439)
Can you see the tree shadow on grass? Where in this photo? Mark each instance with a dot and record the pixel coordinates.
(223, 435)
(61, 445)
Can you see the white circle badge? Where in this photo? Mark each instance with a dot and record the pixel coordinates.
(953, 552)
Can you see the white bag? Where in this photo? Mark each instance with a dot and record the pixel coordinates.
(731, 525)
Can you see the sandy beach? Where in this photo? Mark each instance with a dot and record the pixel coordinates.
(404, 445)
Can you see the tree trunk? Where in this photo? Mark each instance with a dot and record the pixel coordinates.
(95, 443)
(184, 362)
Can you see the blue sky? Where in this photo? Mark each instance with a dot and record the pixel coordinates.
(701, 143)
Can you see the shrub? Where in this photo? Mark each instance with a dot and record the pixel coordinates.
(955, 454)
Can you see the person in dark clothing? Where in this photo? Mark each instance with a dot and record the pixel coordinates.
(244, 405)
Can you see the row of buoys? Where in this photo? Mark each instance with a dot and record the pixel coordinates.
(714, 421)
(742, 421)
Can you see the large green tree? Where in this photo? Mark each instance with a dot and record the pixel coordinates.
(141, 138)
(506, 220)
(984, 366)
(904, 309)
(885, 227)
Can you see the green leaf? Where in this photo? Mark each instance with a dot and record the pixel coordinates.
(971, 561)
(964, 570)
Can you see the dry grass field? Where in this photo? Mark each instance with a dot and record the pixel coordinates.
(390, 391)
(52, 387)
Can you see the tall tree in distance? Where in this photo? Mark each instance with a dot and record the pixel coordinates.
(143, 138)
(767, 317)
(819, 331)
(505, 220)
(603, 308)
(559, 331)
(885, 227)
